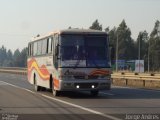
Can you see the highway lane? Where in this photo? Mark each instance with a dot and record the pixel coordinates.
(18, 97)
(15, 100)
(119, 101)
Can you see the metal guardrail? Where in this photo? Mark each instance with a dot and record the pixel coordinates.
(138, 76)
(14, 70)
(144, 80)
(120, 75)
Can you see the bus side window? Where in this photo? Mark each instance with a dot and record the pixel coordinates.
(32, 49)
(35, 49)
(49, 45)
(44, 46)
(39, 48)
(29, 49)
(53, 47)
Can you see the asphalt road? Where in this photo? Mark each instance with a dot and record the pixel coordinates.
(18, 100)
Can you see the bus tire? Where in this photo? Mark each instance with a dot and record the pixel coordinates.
(94, 92)
(36, 87)
(55, 93)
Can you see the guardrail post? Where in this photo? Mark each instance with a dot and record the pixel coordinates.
(126, 82)
(144, 83)
(111, 80)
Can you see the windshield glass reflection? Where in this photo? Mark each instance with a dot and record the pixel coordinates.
(90, 51)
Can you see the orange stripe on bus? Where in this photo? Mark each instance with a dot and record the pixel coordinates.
(56, 83)
(99, 72)
(42, 71)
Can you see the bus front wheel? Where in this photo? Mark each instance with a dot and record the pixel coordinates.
(36, 87)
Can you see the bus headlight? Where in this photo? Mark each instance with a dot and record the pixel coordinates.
(77, 86)
(93, 86)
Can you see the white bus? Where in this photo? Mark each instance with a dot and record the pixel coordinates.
(70, 60)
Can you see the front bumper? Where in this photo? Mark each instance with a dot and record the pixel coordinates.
(84, 85)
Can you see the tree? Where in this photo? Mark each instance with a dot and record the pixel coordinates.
(142, 47)
(142, 42)
(23, 58)
(69, 27)
(112, 41)
(112, 36)
(8, 62)
(8, 59)
(154, 45)
(107, 30)
(126, 43)
(16, 57)
(9, 55)
(96, 25)
(3, 55)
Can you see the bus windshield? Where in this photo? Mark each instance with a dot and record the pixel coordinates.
(84, 51)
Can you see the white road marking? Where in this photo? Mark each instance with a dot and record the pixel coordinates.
(68, 103)
(18, 87)
(3, 83)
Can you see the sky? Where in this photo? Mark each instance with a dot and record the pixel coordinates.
(20, 20)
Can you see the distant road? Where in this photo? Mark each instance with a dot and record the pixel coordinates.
(17, 97)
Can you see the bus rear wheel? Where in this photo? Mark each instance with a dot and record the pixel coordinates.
(94, 93)
(36, 87)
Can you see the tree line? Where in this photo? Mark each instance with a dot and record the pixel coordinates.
(13, 59)
(146, 46)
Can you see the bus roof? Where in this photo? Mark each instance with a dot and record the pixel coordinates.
(81, 31)
(72, 31)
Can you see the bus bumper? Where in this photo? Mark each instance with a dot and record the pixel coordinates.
(82, 85)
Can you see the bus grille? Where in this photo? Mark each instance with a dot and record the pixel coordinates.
(86, 77)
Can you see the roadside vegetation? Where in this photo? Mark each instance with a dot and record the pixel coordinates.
(128, 47)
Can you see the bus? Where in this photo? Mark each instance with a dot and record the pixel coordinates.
(70, 60)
